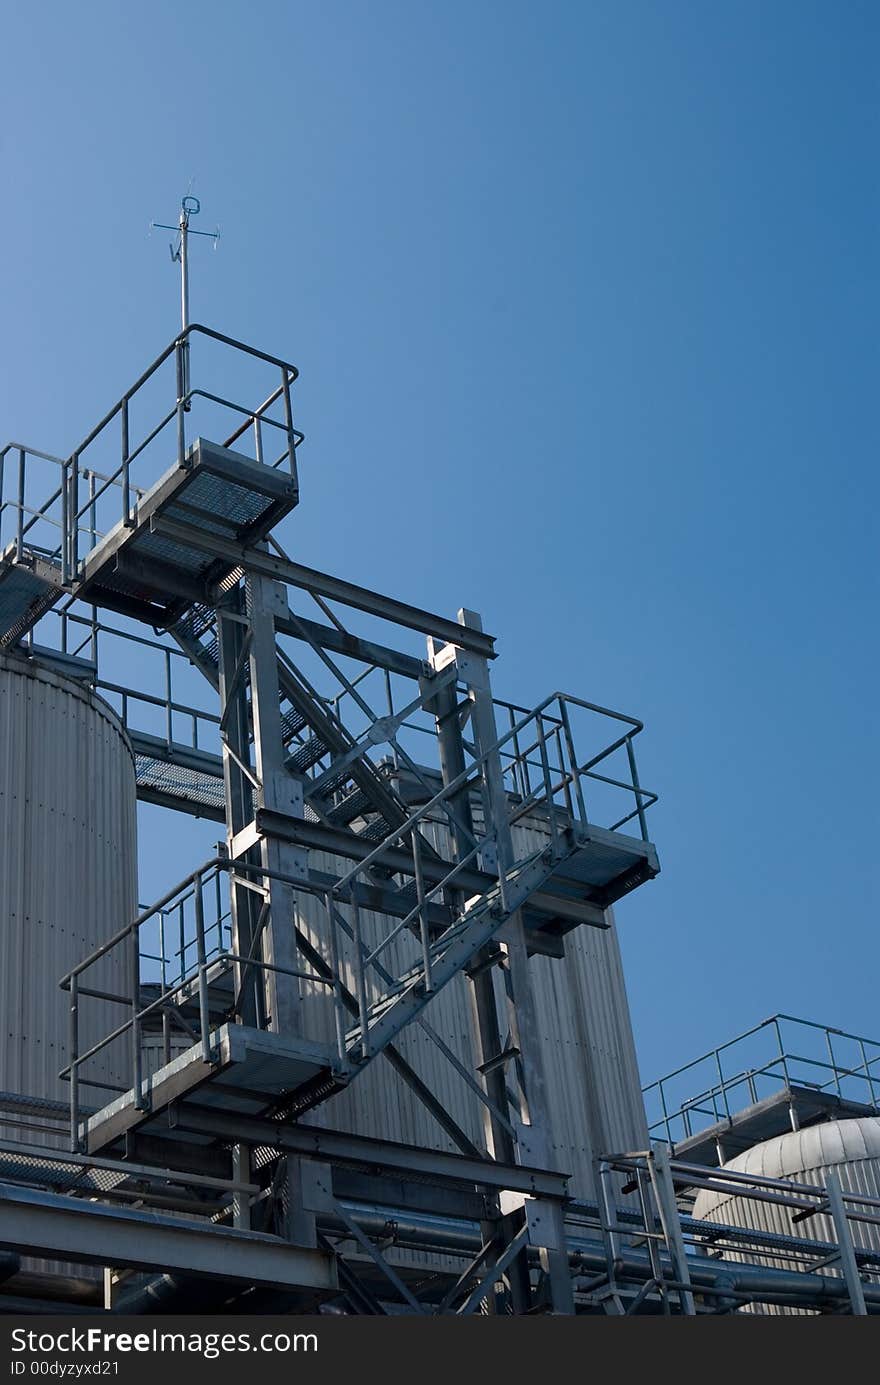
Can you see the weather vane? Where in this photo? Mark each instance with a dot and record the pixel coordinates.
(189, 206)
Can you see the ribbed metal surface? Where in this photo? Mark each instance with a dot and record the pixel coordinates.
(850, 1147)
(587, 1045)
(67, 871)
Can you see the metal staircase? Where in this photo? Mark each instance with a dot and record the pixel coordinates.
(486, 848)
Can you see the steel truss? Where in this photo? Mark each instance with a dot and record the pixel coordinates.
(428, 836)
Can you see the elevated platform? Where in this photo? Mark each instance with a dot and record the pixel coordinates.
(774, 1115)
(218, 492)
(139, 573)
(605, 867)
(249, 1071)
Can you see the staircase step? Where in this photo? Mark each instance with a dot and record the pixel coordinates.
(304, 757)
(355, 805)
(29, 587)
(292, 722)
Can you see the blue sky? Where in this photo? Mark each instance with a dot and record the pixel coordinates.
(585, 301)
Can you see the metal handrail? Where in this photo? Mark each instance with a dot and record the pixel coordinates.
(784, 1059)
(72, 471)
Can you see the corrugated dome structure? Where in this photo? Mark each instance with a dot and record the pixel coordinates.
(850, 1148)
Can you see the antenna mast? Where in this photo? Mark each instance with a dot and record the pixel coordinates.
(189, 206)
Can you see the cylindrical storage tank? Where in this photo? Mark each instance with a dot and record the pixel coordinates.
(68, 870)
(592, 1077)
(851, 1148)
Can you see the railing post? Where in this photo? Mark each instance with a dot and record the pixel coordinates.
(258, 439)
(548, 783)
(181, 938)
(73, 1056)
(181, 366)
(423, 910)
(721, 1083)
(360, 978)
(288, 420)
(834, 1067)
(566, 777)
(169, 715)
(19, 537)
(204, 1017)
(665, 1111)
(74, 516)
(126, 486)
(93, 510)
(338, 1006)
(136, 1057)
(631, 756)
(867, 1067)
(572, 759)
(65, 523)
(163, 981)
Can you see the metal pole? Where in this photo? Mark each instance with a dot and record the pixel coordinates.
(360, 978)
(184, 268)
(74, 1066)
(65, 524)
(423, 911)
(204, 1019)
(867, 1067)
(843, 1232)
(548, 785)
(631, 756)
(572, 760)
(288, 422)
(136, 1071)
(126, 488)
(74, 515)
(664, 1193)
(182, 367)
(19, 543)
(338, 1015)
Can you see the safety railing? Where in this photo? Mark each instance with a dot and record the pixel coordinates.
(653, 1247)
(62, 507)
(777, 1062)
(173, 953)
(544, 778)
(180, 945)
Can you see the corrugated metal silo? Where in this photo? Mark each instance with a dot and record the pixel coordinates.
(67, 872)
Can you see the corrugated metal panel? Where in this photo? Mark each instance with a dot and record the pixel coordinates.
(67, 871)
(68, 864)
(850, 1147)
(587, 1043)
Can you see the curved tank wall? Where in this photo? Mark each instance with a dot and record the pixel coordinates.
(68, 871)
(588, 1051)
(850, 1147)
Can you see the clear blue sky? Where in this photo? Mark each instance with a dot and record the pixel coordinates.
(585, 300)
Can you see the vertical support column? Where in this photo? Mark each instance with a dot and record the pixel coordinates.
(535, 1131)
(238, 794)
(843, 1233)
(522, 1018)
(241, 1173)
(664, 1194)
(499, 1136)
(280, 792)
